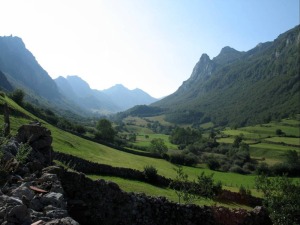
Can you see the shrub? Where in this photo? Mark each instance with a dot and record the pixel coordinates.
(244, 191)
(263, 168)
(23, 152)
(236, 169)
(177, 158)
(150, 173)
(281, 197)
(213, 163)
(206, 186)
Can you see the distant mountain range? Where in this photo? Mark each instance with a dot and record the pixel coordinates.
(115, 99)
(20, 69)
(239, 88)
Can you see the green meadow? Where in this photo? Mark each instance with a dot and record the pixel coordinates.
(68, 143)
(264, 142)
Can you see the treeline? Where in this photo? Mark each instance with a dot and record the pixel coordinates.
(47, 114)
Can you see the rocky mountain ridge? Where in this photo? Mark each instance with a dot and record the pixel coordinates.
(240, 88)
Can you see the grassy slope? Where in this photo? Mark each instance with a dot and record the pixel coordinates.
(264, 143)
(71, 144)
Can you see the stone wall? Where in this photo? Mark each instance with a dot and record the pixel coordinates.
(101, 202)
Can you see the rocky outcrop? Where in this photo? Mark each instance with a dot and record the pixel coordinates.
(29, 194)
(35, 192)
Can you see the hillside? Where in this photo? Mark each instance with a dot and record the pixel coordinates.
(4, 84)
(20, 66)
(240, 88)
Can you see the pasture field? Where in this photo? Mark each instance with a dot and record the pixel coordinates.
(263, 141)
(151, 190)
(285, 140)
(143, 141)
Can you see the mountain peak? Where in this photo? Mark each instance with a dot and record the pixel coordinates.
(227, 55)
(204, 58)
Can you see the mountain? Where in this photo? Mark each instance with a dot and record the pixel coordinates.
(79, 91)
(22, 69)
(125, 98)
(114, 99)
(240, 88)
(4, 84)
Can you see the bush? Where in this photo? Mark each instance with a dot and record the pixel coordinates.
(263, 168)
(150, 173)
(177, 158)
(213, 163)
(23, 152)
(236, 169)
(18, 96)
(281, 197)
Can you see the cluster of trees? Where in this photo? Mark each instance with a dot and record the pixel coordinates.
(183, 137)
(290, 166)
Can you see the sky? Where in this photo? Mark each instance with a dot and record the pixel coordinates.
(148, 44)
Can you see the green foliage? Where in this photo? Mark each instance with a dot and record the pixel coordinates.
(281, 197)
(183, 159)
(183, 189)
(150, 173)
(237, 141)
(206, 186)
(182, 136)
(279, 132)
(23, 152)
(244, 191)
(157, 145)
(105, 130)
(18, 96)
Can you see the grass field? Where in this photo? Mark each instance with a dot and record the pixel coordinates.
(263, 141)
(151, 190)
(71, 144)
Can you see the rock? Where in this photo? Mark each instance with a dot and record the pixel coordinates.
(39, 138)
(23, 191)
(19, 215)
(63, 221)
(54, 199)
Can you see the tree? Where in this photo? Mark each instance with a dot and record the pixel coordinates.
(237, 141)
(158, 145)
(281, 198)
(18, 96)
(184, 189)
(105, 130)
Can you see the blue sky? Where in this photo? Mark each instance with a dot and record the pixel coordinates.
(147, 44)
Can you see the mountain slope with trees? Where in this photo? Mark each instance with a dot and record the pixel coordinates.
(240, 88)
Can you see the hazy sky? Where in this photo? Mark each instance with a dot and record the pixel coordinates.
(147, 44)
